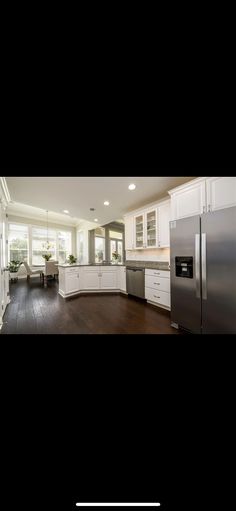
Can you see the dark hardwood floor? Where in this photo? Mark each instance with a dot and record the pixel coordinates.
(36, 310)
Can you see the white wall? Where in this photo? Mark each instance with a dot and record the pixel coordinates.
(155, 254)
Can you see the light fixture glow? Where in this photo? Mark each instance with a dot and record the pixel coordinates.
(95, 220)
(106, 203)
(65, 211)
(132, 187)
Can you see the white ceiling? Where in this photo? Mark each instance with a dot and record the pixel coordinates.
(79, 194)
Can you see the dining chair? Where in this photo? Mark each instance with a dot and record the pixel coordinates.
(32, 272)
(50, 270)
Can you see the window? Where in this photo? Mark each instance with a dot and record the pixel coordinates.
(64, 245)
(116, 246)
(39, 244)
(99, 249)
(18, 242)
(116, 235)
(59, 245)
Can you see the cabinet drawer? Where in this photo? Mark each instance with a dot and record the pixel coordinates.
(157, 283)
(158, 273)
(157, 296)
(72, 270)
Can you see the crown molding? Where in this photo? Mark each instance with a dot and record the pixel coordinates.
(5, 190)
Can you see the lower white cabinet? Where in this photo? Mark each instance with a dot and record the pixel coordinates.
(91, 278)
(122, 281)
(157, 287)
(69, 281)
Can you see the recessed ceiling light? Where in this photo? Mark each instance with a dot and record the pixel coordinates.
(106, 203)
(65, 211)
(95, 220)
(132, 187)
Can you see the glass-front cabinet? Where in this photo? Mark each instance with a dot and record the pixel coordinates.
(151, 229)
(139, 231)
(146, 230)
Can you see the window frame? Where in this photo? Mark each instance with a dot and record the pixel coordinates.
(8, 240)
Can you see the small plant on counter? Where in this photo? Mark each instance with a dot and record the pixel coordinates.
(72, 259)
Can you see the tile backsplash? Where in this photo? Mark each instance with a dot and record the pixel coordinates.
(156, 254)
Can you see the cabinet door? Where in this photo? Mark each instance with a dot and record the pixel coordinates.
(151, 229)
(190, 201)
(129, 233)
(108, 280)
(164, 226)
(221, 193)
(139, 231)
(72, 282)
(91, 279)
(123, 279)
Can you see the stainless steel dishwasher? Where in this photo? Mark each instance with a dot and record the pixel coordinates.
(135, 280)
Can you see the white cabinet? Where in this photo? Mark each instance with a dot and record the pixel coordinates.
(164, 225)
(148, 228)
(69, 281)
(151, 229)
(221, 193)
(108, 279)
(157, 288)
(91, 278)
(140, 238)
(122, 281)
(190, 200)
(129, 233)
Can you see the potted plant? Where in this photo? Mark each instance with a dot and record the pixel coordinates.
(72, 259)
(115, 257)
(47, 257)
(13, 268)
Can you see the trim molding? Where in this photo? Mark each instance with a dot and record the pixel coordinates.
(5, 189)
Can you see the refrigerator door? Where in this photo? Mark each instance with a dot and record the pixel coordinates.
(185, 273)
(219, 272)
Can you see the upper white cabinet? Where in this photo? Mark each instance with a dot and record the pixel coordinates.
(148, 228)
(221, 192)
(139, 231)
(189, 200)
(129, 233)
(202, 195)
(164, 225)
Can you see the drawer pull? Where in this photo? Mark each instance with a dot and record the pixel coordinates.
(157, 283)
(157, 296)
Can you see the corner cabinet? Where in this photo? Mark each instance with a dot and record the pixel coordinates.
(129, 233)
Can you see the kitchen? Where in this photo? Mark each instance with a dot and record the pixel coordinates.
(177, 257)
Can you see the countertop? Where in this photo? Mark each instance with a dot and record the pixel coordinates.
(92, 264)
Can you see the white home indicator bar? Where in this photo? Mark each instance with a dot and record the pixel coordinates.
(119, 504)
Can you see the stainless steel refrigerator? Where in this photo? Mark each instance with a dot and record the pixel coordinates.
(203, 272)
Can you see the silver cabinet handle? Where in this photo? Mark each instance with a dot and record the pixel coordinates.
(204, 268)
(204, 209)
(157, 283)
(209, 208)
(157, 296)
(197, 264)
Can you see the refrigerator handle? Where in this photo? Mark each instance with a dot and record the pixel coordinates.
(204, 268)
(197, 264)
